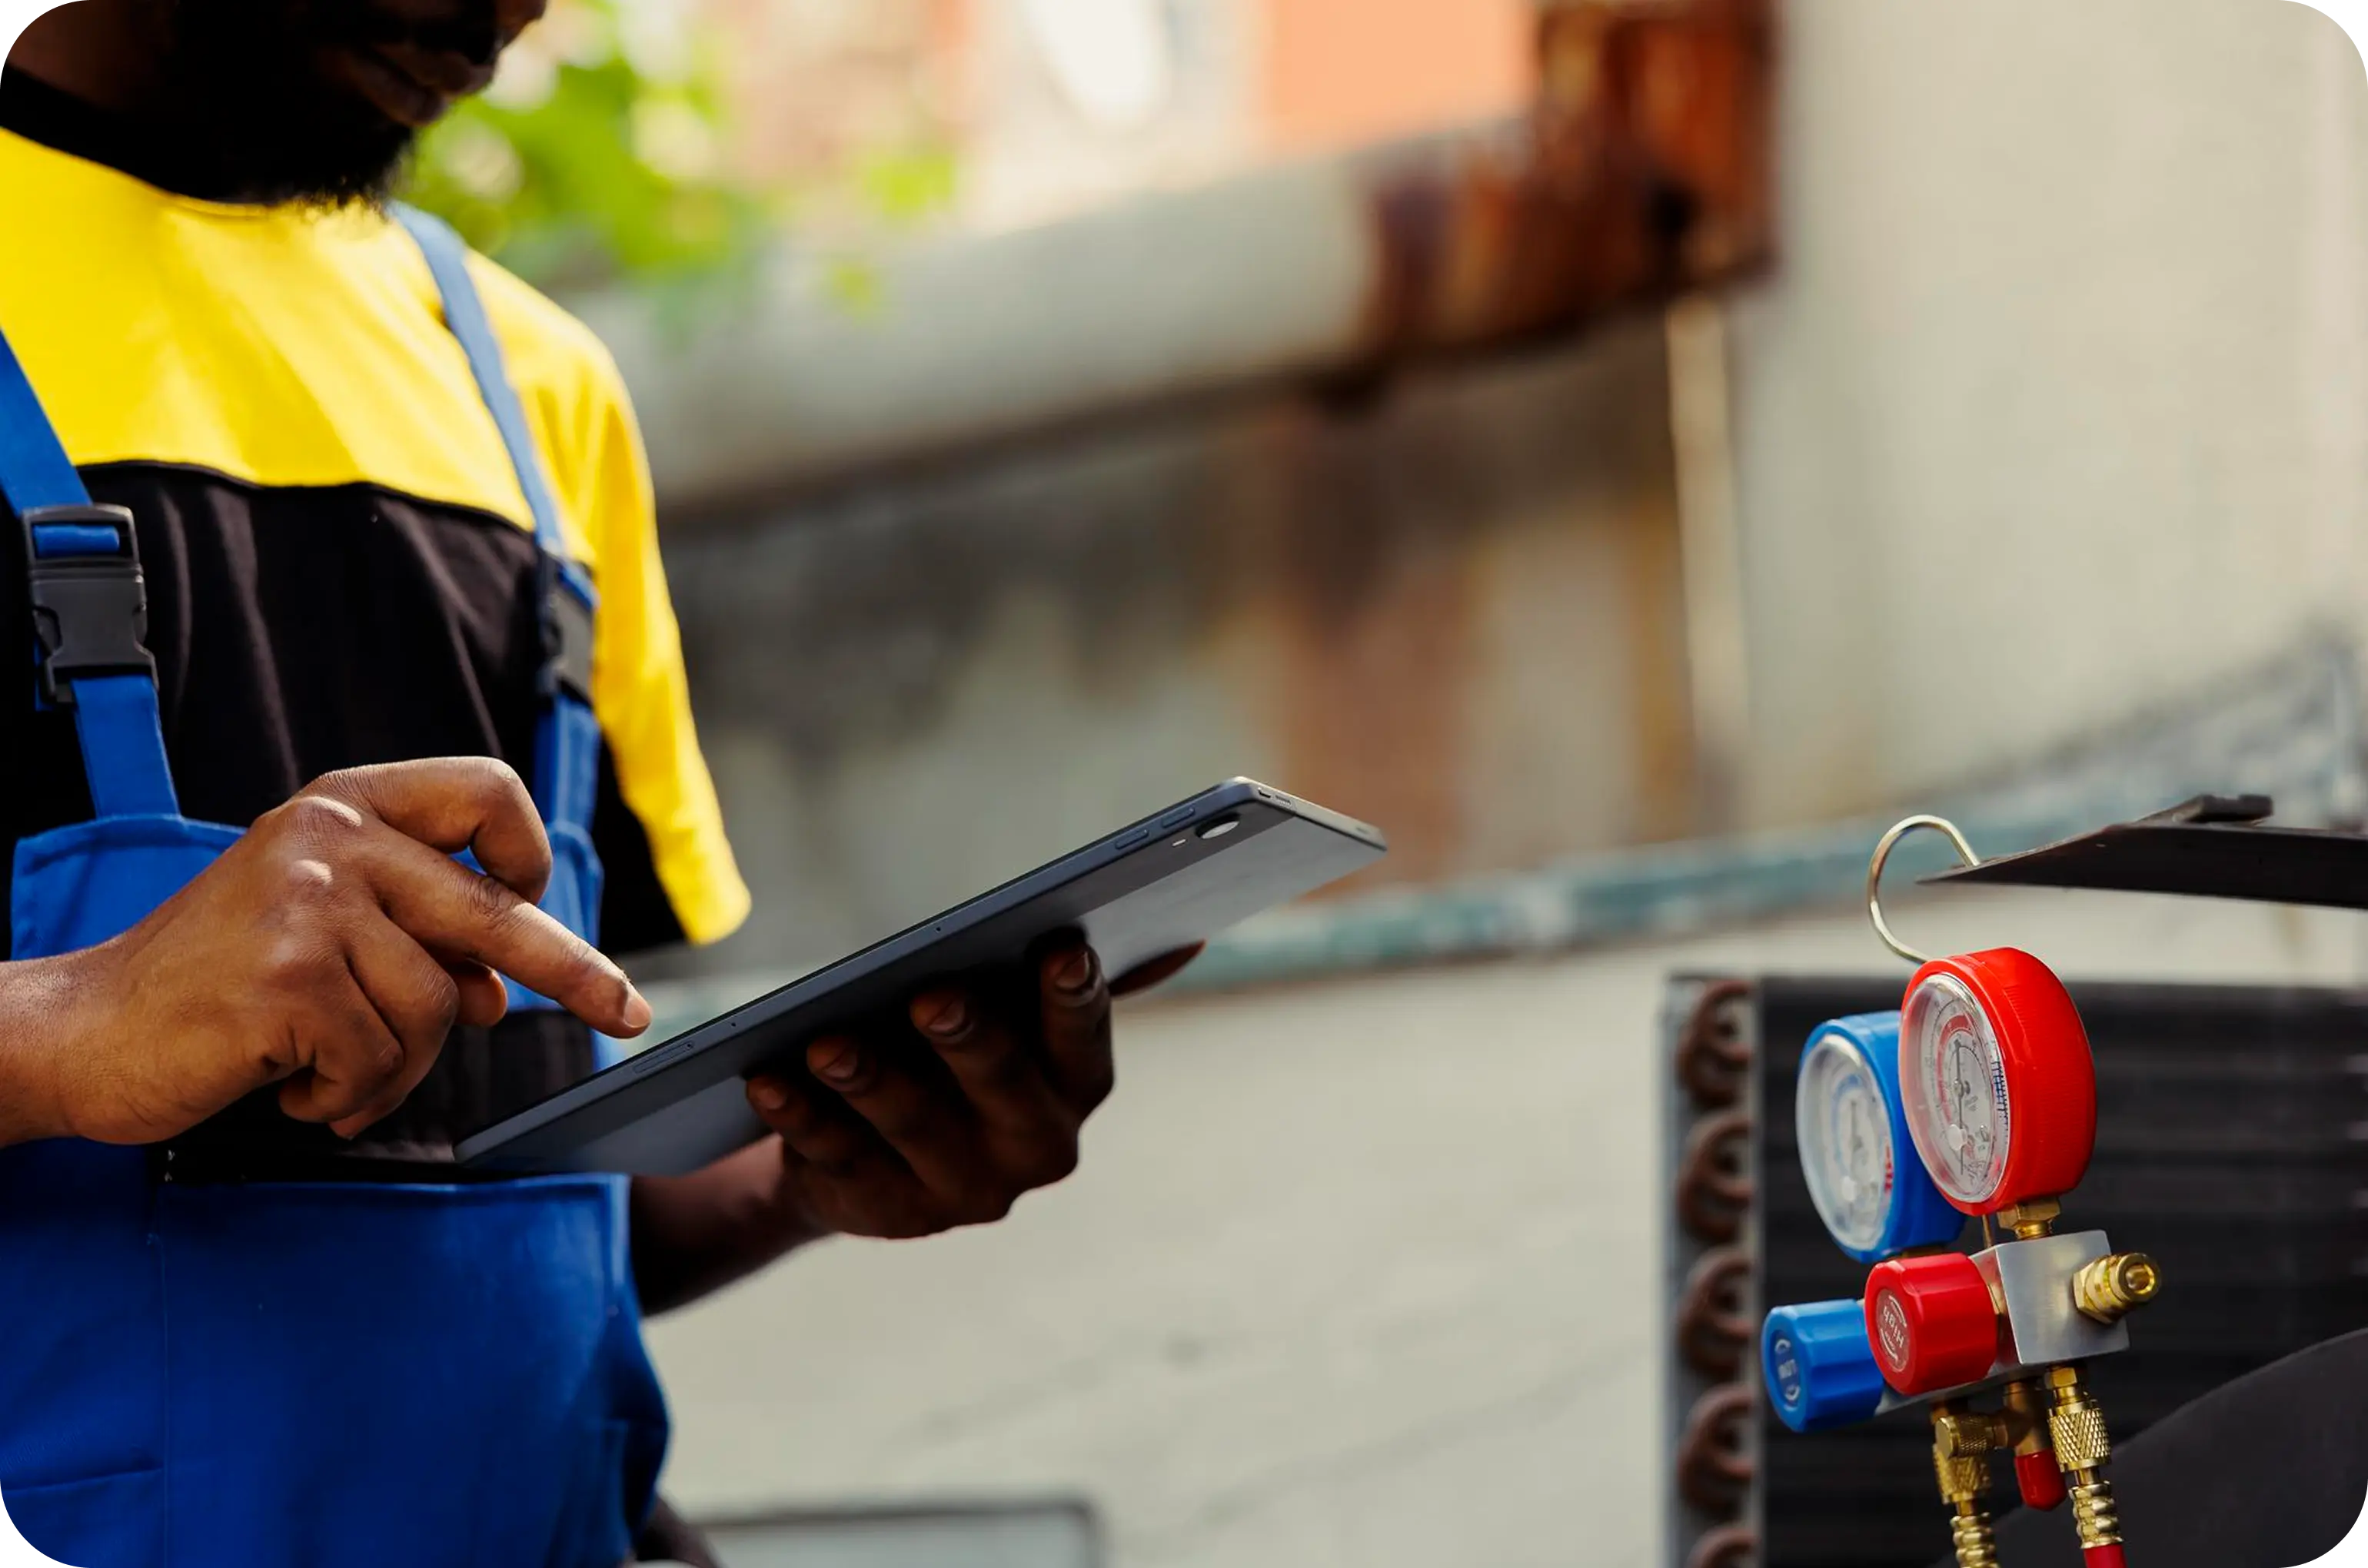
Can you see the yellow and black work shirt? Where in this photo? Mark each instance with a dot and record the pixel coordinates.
(340, 565)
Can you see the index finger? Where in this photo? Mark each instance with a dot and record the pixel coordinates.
(1075, 1009)
(454, 803)
(448, 909)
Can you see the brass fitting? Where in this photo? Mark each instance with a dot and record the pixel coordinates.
(1977, 1544)
(2082, 1449)
(2093, 1519)
(1962, 1441)
(1961, 1450)
(2032, 1219)
(2076, 1423)
(2108, 1288)
(2025, 1417)
(1961, 1433)
(1962, 1480)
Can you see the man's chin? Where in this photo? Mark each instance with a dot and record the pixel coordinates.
(284, 120)
(353, 174)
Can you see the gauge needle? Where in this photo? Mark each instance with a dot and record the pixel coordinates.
(1961, 1080)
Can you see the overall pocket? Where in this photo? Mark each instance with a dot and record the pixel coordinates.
(382, 1377)
(83, 1427)
(77, 886)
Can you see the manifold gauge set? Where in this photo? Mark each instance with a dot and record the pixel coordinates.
(1977, 1100)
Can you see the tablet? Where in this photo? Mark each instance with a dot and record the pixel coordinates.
(1164, 883)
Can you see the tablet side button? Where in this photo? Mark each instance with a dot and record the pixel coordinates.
(1129, 840)
(650, 1061)
(1177, 818)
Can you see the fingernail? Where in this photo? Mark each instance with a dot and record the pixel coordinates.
(637, 1009)
(1074, 976)
(945, 1016)
(837, 1064)
(767, 1095)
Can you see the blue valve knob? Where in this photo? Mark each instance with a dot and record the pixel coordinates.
(1820, 1369)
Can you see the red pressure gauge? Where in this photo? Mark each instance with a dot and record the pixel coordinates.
(1996, 1077)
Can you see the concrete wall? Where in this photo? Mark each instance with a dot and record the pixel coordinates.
(1458, 613)
(2059, 404)
(1353, 1277)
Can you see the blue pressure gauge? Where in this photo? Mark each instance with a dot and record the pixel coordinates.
(1820, 1369)
(1853, 1133)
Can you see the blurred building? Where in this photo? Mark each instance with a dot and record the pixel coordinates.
(2043, 431)
(1201, 479)
(1051, 106)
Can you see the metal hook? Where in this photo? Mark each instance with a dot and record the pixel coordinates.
(1882, 849)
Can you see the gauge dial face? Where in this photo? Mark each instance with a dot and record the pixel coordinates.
(1953, 1078)
(1845, 1132)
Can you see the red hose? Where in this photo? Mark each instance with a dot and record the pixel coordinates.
(2102, 1556)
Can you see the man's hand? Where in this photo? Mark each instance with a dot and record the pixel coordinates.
(330, 952)
(946, 1119)
(886, 1140)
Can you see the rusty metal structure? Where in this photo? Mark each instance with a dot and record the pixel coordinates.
(1642, 174)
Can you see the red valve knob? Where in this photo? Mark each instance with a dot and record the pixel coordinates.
(2041, 1482)
(1932, 1321)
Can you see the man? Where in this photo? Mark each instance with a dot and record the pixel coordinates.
(395, 525)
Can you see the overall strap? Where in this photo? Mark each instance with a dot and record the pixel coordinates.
(567, 739)
(89, 606)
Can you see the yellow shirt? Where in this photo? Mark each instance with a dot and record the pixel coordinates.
(334, 535)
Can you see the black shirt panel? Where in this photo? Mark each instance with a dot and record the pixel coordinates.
(299, 632)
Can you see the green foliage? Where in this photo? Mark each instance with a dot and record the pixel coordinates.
(598, 154)
(910, 184)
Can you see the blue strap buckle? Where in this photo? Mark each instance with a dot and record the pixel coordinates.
(90, 602)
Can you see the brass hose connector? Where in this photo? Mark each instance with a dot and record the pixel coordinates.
(2093, 1517)
(2109, 1288)
(1962, 1441)
(1962, 1434)
(1976, 1542)
(1962, 1479)
(2032, 1219)
(2078, 1425)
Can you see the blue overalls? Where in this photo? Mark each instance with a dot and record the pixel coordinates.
(297, 1375)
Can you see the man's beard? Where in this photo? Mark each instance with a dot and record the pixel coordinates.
(245, 80)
